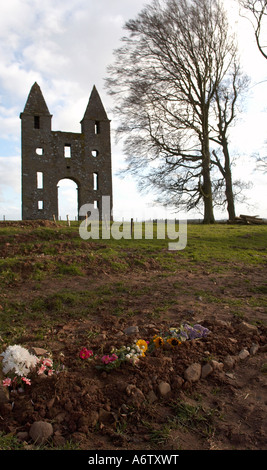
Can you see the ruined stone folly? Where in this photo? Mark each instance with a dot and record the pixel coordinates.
(49, 156)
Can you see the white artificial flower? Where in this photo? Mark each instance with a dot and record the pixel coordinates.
(18, 359)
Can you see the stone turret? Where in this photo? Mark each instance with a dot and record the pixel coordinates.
(95, 109)
(36, 113)
(35, 103)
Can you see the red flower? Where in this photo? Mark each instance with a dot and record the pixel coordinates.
(85, 353)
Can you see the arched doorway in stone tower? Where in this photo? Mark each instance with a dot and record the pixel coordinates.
(67, 199)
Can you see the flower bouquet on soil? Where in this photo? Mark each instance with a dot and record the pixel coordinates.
(176, 336)
(117, 356)
(18, 364)
(173, 338)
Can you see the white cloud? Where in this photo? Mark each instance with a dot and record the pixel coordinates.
(10, 188)
(66, 46)
(10, 174)
(9, 124)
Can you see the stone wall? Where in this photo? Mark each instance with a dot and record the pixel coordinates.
(49, 156)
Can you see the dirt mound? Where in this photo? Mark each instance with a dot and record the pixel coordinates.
(152, 404)
(27, 223)
(62, 294)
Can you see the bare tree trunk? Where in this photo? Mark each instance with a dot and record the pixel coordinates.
(228, 183)
(225, 108)
(207, 197)
(206, 187)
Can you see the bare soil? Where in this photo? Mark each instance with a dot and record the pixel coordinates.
(123, 409)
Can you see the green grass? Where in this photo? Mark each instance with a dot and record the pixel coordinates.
(10, 442)
(226, 243)
(193, 417)
(205, 245)
(47, 253)
(186, 417)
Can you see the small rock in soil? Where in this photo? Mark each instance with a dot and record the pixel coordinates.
(193, 372)
(206, 370)
(131, 330)
(38, 351)
(217, 365)
(243, 354)
(40, 431)
(164, 388)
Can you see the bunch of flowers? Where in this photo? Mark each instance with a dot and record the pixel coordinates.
(110, 361)
(16, 382)
(18, 362)
(160, 341)
(46, 367)
(175, 336)
(196, 331)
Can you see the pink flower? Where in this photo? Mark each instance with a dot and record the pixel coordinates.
(27, 381)
(41, 370)
(48, 362)
(113, 357)
(7, 382)
(50, 372)
(85, 353)
(105, 359)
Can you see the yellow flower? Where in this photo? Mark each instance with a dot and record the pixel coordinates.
(158, 341)
(173, 342)
(142, 344)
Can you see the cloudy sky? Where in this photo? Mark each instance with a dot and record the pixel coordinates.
(66, 46)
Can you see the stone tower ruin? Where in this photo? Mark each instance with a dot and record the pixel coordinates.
(49, 156)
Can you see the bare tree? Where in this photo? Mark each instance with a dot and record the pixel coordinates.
(226, 108)
(164, 79)
(258, 10)
(258, 17)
